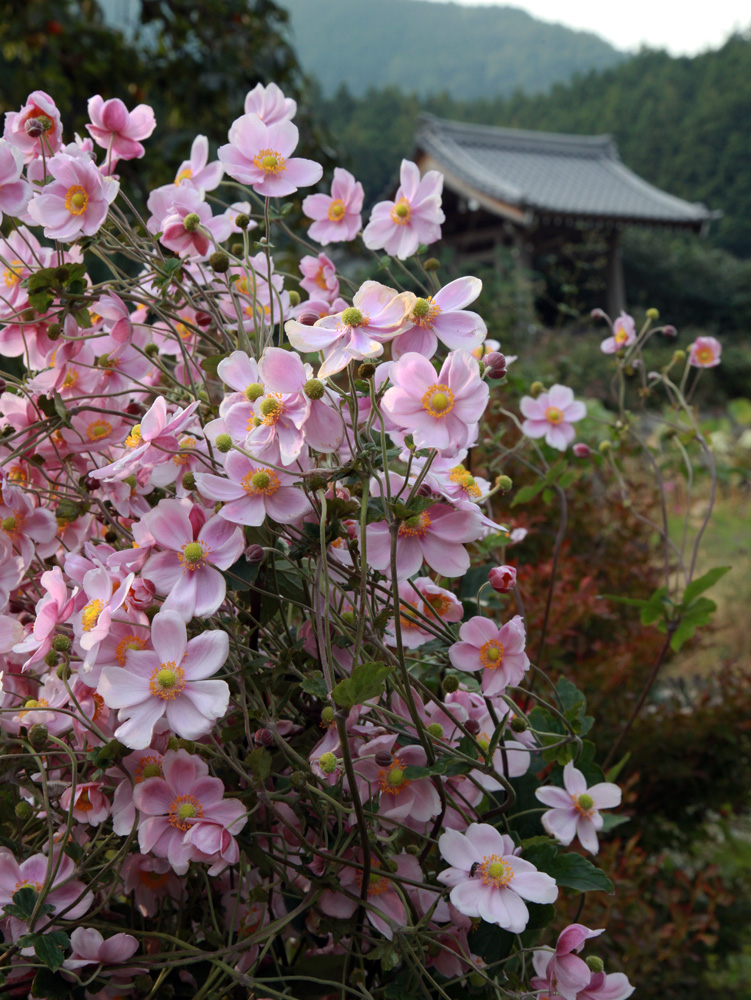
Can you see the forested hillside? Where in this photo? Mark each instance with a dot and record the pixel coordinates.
(681, 123)
(429, 47)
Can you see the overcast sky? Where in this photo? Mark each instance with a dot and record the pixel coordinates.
(681, 28)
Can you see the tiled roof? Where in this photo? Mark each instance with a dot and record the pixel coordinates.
(572, 175)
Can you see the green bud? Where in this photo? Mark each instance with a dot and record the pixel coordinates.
(52, 658)
(436, 730)
(518, 724)
(294, 298)
(504, 483)
(219, 262)
(477, 980)
(317, 483)
(237, 249)
(63, 671)
(594, 963)
(535, 389)
(679, 356)
(253, 392)
(314, 388)
(188, 481)
(450, 683)
(327, 715)
(24, 810)
(61, 643)
(298, 779)
(432, 264)
(604, 447)
(223, 443)
(53, 331)
(38, 735)
(192, 221)
(653, 314)
(366, 370)
(151, 350)
(242, 221)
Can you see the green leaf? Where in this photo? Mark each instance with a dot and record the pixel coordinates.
(375, 510)
(414, 771)
(556, 470)
(367, 681)
(314, 684)
(49, 986)
(50, 948)
(612, 820)
(632, 602)
(575, 872)
(260, 764)
(698, 586)
(656, 607)
(616, 769)
(24, 901)
(211, 363)
(527, 493)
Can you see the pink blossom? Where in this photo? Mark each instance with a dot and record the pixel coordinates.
(189, 572)
(582, 450)
(76, 202)
(179, 233)
(118, 130)
(386, 909)
(607, 986)
(412, 802)
(552, 415)
(705, 352)
(269, 103)
(336, 216)
(149, 880)
(66, 894)
(319, 275)
(498, 652)
(170, 680)
(140, 765)
(443, 317)
(359, 332)
(87, 804)
(439, 410)
(105, 594)
(40, 106)
(432, 602)
(51, 610)
(252, 491)
(576, 808)
(624, 335)
(14, 190)
(197, 171)
(414, 217)
(489, 880)
(502, 578)
(172, 805)
(560, 972)
(90, 948)
(260, 155)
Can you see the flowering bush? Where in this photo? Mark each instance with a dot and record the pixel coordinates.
(256, 706)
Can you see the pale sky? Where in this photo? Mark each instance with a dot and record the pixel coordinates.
(682, 28)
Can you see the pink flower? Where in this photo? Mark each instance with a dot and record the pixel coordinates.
(560, 972)
(66, 894)
(582, 450)
(440, 411)
(551, 416)
(90, 948)
(415, 217)
(431, 601)
(189, 573)
(260, 155)
(252, 491)
(502, 578)
(705, 353)
(412, 802)
(336, 216)
(269, 103)
(14, 190)
(149, 880)
(172, 805)
(624, 334)
(498, 652)
(51, 610)
(118, 130)
(197, 171)
(88, 805)
(386, 909)
(443, 317)
(375, 317)
(489, 880)
(603, 986)
(38, 106)
(181, 232)
(576, 809)
(105, 595)
(170, 680)
(319, 275)
(76, 202)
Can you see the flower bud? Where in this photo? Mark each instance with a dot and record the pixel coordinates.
(477, 980)
(318, 482)
(450, 683)
(472, 726)
(518, 724)
(502, 578)
(598, 314)
(63, 671)
(679, 356)
(242, 221)
(264, 737)
(581, 450)
(35, 127)
(366, 370)
(435, 729)
(219, 262)
(535, 389)
(151, 350)
(53, 331)
(223, 443)
(595, 964)
(52, 658)
(432, 264)
(294, 297)
(504, 483)
(188, 482)
(604, 447)
(653, 314)
(254, 554)
(314, 388)
(495, 364)
(383, 758)
(61, 643)
(298, 779)
(669, 331)
(192, 221)
(24, 810)
(38, 735)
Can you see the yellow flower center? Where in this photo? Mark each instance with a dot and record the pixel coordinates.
(36, 886)
(32, 703)
(415, 526)
(10, 275)
(129, 642)
(495, 871)
(328, 763)
(76, 199)
(424, 312)
(98, 429)
(147, 767)
(182, 808)
(353, 317)
(620, 336)
(184, 175)
(401, 212)
(193, 556)
(491, 654)
(271, 409)
(553, 415)
(337, 210)
(466, 480)
(167, 681)
(83, 802)
(705, 355)
(391, 778)
(270, 162)
(260, 481)
(438, 401)
(133, 440)
(437, 604)
(90, 614)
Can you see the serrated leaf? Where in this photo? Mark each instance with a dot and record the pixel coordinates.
(698, 586)
(260, 764)
(24, 901)
(414, 771)
(366, 682)
(575, 872)
(527, 493)
(315, 684)
(50, 948)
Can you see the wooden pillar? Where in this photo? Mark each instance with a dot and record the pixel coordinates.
(616, 287)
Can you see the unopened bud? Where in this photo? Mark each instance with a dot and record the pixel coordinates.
(317, 483)
(61, 643)
(604, 447)
(535, 389)
(242, 221)
(432, 264)
(383, 758)
(52, 658)
(504, 483)
(219, 262)
(24, 810)
(472, 726)
(63, 671)
(518, 724)
(595, 964)
(581, 450)
(314, 388)
(502, 578)
(598, 314)
(495, 364)
(264, 737)
(188, 481)
(366, 370)
(669, 331)
(34, 127)
(653, 314)
(53, 331)
(435, 729)
(151, 350)
(298, 779)
(223, 443)
(679, 356)
(450, 683)
(254, 553)
(38, 736)
(192, 221)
